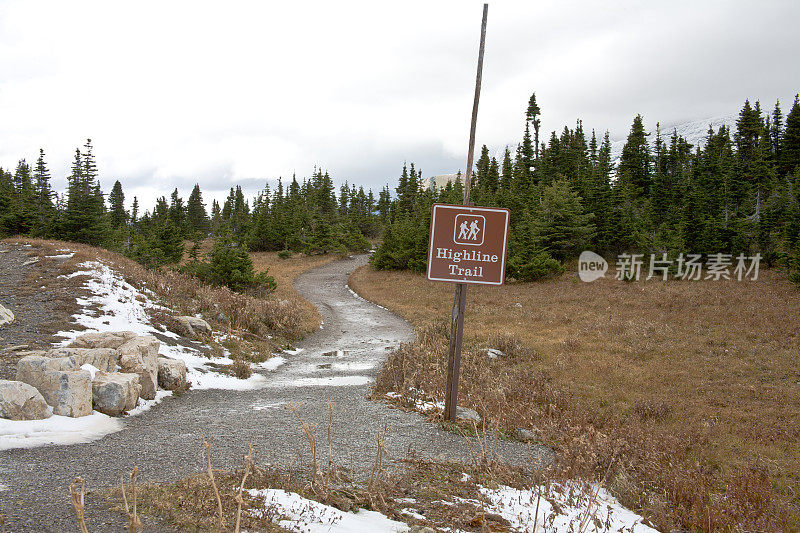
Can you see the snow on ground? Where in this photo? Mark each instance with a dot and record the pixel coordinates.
(272, 363)
(328, 381)
(145, 405)
(589, 505)
(56, 430)
(574, 507)
(307, 516)
(122, 307)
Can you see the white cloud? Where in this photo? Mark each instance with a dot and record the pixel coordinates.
(177, 92)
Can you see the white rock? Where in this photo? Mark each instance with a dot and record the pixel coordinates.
(31, 366)
(171, 373)
(109, 339)
(68, 392)
(140, 356)
(20, 401)
(6, 316)
(194, 326)
(114, 393)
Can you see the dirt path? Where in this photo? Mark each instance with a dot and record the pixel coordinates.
(165, 442)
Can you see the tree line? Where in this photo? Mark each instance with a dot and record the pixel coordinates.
(304, 216)
(738, 193)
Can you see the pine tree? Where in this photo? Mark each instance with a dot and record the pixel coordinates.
(118, 217)
(44, 207)
(634, 164)
(532, 116)
(789, 158)
(197, 222)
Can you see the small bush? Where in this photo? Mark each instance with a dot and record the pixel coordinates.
(230, 265)
(284, 254)
(535, 267)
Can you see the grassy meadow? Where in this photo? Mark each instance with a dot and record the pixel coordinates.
(687, 393)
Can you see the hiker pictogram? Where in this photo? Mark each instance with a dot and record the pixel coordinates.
(469, 229)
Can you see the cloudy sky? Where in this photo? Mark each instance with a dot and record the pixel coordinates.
(174, 93)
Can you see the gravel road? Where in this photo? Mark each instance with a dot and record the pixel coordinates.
(165, 442)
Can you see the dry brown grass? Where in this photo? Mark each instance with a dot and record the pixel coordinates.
(285, 271)
(226, 310)
(693, 384)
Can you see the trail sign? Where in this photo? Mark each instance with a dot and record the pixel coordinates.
(468, 244)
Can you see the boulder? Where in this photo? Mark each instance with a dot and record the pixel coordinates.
(6, 316)
(464, 414)
(105, 359)
(171, 374)
(31, 366)
(114, 393)
(20, 401)
(109, 339)
(140, 356)
(193, 326)
(527, 434)
(68, 392)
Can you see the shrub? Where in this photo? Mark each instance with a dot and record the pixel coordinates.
(230, 265)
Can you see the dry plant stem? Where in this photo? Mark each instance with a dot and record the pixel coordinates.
(248, 466)
(308, 429)
(77, 502)
(2, 524)
(378, 465)
(536, 514)
(587, 512)
(207, 446)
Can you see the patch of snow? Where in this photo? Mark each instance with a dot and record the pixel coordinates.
(293, 352)
(465, 477)
(60, 256)
(145, 405)
(56, 430)
(307, 516)
(405, 500)
(412, 513)
(264, 406)
(331, 381)
(357, 367)
(90, 369)
(272, 363)
(573, 505)
(216, 380)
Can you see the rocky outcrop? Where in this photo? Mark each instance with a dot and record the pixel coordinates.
(114, 393)
(6, 316)
(20, 401)
(193, 327)
(171, 374)
(139, 355)
(111, 339)
(108, 370)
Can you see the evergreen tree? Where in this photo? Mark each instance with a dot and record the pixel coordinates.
(44, 206)
(532, 116)
(118, 217)
(197, 222)
(634, 164)
(789, 158)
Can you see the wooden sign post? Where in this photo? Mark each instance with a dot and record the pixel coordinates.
(464, 248)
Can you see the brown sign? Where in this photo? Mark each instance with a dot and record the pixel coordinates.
(468, 244)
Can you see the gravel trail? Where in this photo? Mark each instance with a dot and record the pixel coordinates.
(165, 442)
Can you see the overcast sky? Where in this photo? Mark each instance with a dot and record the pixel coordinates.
(173, 93)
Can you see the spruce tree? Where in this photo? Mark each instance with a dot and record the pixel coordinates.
(789, 158)
(197, 222)
(44, 206)
(118, 217)
(634, 164)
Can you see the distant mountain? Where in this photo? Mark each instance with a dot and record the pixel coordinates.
(695, 133)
